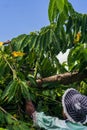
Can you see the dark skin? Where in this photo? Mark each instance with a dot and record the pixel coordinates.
(30, 109)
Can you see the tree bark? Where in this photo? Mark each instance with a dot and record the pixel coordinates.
(65, 79)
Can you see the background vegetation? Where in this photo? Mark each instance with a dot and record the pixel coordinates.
(27, 59)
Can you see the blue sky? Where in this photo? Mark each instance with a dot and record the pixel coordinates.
(24, 16)
(79, 5)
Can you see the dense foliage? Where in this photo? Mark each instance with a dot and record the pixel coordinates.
(33, 56)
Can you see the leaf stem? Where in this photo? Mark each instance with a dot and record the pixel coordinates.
(8, 64)
(14, 72)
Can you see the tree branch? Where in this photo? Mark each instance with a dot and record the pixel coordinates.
(7, 42)
(65, 79)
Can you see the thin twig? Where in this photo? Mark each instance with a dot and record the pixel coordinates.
(4, 111)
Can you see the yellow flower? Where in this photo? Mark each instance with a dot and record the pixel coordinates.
(78, 36)
(17, 53)
(1, 43)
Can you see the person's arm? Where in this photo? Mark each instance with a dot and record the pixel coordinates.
(43, 121)
(30, 109)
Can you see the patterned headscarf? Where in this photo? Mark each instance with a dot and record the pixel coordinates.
(75, 106)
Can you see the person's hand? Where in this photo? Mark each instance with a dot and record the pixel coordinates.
(30, 109)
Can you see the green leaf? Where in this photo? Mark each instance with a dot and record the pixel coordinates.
(32, 80)
(85, 54)
(56, 7)
(77, 58)
(10, 91)
(25, 42)
(52, 10)
(3, 129)
(33, 42)
(2, 118)
(16, 43)
(25, 90)
(47, 68)
(3, 65)
(60, 5)
(9, 120)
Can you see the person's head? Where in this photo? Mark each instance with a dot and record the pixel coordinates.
(75, 106)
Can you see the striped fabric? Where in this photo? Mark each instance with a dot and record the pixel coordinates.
(75, 106)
